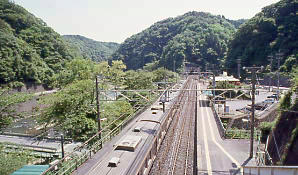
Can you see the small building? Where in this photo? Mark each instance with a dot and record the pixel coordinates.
(230, 79)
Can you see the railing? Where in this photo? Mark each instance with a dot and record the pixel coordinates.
(263, 157)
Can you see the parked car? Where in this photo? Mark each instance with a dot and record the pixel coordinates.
(274, 96)
(269, 101)
(244, 110)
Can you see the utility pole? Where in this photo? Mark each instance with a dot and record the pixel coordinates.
(184, 68)
(213, 82)
(98, 112)
(278, 57)
(175, 70)
(253, 71)
(239, 65)
(174, 65)
(270, 78)
(62, 145)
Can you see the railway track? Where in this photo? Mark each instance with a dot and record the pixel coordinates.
(176, 154)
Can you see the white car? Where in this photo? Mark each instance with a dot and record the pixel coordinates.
(269, 100)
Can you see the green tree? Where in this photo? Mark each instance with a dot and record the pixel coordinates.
(196, 37)
(272, 30)
(10, 162)
(30, 51)
(72, 109)
(138, 80)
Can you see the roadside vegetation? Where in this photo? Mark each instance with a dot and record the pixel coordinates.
(8, 100)
(12, 161)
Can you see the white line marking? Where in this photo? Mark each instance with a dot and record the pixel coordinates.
(222, 149)
(209, 168)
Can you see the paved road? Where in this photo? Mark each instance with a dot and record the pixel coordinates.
(217, 156)
(238, 104)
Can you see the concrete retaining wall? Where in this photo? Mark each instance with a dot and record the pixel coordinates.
(270, 170)
(219, 124)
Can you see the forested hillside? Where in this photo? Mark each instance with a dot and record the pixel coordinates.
(274, 29)
(88, 48)
(196, 36)
(30, 51)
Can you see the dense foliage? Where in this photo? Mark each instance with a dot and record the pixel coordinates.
(29, 49)
(90, 49)
(196, 37)
(7, 102)
(73, 108)
(12, 161)
(274, 29)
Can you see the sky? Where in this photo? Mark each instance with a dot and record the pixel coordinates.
(116, 20)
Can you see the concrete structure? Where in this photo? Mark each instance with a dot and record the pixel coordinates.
(129, 143)
(272, 170)
(225, 78)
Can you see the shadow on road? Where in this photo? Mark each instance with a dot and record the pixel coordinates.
(204, 103)
(237, 171)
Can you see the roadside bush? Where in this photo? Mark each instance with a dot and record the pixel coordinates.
(266, 128)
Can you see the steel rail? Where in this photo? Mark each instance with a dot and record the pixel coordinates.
(187, 117)
(140, 166)
(171, 163)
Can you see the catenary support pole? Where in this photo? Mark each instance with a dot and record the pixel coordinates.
(278, 57)
(238, 67)
(253, 71)
(98, 109)
(62, 145)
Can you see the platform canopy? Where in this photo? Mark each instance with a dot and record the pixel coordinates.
(31, 170)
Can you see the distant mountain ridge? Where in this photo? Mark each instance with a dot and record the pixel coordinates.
(197, 37)
(89, 48)
(30, 51)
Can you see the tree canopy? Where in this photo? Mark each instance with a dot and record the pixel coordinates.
(272, 30)
(91, 49)
(30, 51)
(197, 37)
